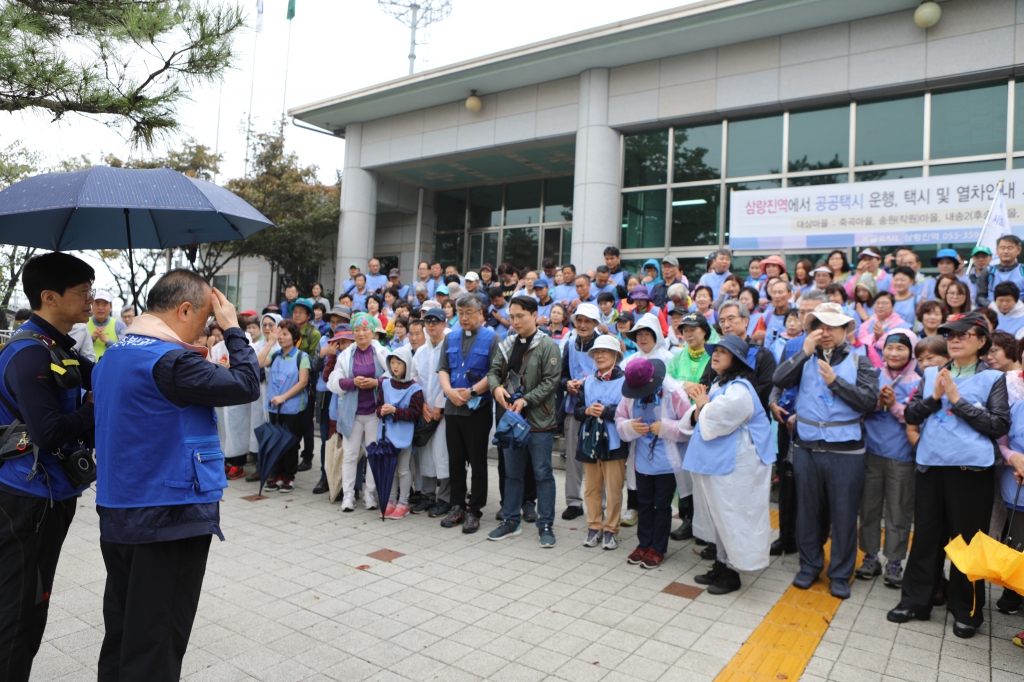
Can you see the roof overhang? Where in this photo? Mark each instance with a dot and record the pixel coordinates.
(690, 28)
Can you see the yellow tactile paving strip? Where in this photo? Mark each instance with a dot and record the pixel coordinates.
(782, 645)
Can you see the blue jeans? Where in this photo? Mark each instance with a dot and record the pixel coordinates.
(840, 476)
(537, 451)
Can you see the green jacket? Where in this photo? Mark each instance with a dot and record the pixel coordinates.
(541, 371)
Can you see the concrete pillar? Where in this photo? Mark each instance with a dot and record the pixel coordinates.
(595, 205)
(358, 221)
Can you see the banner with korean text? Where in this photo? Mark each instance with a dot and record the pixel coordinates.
(936, 210)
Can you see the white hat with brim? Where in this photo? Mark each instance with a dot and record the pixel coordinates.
(823, 269)
(605, 342)
(588, 310)
(830, 314)
(103, 295)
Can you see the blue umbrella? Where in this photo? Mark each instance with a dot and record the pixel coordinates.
(274, 440)
(382, 458)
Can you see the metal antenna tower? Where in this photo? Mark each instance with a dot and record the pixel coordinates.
(416, 14)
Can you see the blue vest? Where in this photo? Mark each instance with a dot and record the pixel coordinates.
(884, 435)
(1007, 481)
(717, 457)
(607, 393)
(651, 458)
(907, 310)
(281, 376)
(399, 432)
(714, 280)
(999, 277)
(465, 372)
(15, 472)
(774, 326)
(183, 465)
(816, 403)
(1010, 325)
(581, 366)
(545, 310)
(946, 439)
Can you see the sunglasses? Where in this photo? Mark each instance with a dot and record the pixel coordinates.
(959, 336)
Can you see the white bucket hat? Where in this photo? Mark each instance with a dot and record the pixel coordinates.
(830, 314)
(588, 310)
(606, 342)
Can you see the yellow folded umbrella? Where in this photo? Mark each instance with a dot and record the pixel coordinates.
(988, 559)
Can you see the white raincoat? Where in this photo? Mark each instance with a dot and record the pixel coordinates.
(234, 423)
(433, 455)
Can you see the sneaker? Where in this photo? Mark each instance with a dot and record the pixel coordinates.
(253, 477)
(286, 485)
(507, 529)
(471, 524)
(572, 512)
(1009, 603)
(728, 581)
(870, 568)
(652, 559)
(399, 511)
(804, 579)
(235, 472)
(893, 574)
(711, 576)
(710, 552)
(610, 541)
(456, 517)
(439, 510)
(629, 518)
(348, 504)
(369, 500)
(389, 510)
(547, 536)
(593, 538)
(305, 465)
(272, 483)
(424, 505)
(636, 556)
(840, 589)
(529, 512)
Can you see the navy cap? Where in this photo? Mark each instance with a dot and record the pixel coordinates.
(435, 314)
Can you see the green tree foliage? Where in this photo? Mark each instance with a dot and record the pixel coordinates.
(304, 212)
(131, 61)
(16, 163)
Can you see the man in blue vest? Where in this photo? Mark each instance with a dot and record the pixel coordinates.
(158, 499)
(462, 372)
(37, 500)
(1007, 269)
(835, 389)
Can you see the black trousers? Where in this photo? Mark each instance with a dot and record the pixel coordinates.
(467, 443)
(28, 562)
(149, 605)
(654, 494)
(529, 482)
(324, 408)
(307, 425)
(288, 464)
(948, 501)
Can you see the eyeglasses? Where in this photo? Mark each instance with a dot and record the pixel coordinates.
(84, 293)
(433, 321)
(959, 336)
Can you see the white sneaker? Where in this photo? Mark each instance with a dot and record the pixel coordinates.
(629, 517)
(348, 503)
(369, 500)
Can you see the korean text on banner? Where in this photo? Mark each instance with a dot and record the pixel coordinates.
(935, 210)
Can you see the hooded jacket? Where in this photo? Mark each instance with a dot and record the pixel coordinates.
(1015, 314)
(660, 350)
(657, 280)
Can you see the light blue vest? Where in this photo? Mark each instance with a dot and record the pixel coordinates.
(998, 277)
(178, 462)
(281, 376)
(717, 457)
(907, 310)
(1007, 481)
(581, 366)
(816, 403)
(884, 435)
(1010, 325)
(651, 457)
(607, 393)
(774, 326)
(399, 432)
(946, 439)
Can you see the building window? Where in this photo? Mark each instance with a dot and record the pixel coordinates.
(228, 285)
(891, 131)
(522, 203)
(695, 215)
(450, 210)
(646, 159)
(558, 200)
(643, 220)
(819, 139)
(448, 248)
(697, 153)
(755, 147)
(969, 122)
(485, 206)
(520, 246)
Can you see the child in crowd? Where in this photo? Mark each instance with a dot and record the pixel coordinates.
(1010, 309)
(673, 340)
(889, 465)
(648, 419)
(622, 326)
(605, 471)
(606, 302)
(929, 352)
(794, 328)
(399, 405)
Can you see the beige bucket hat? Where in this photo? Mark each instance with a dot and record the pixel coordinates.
(830, 314)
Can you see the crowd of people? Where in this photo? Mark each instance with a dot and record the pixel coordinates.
(869, 396)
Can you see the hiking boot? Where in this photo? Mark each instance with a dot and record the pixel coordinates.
(440, 509)
(456, 517)
(321, 487)
(728, 581)
(893, 576)
(471, 524)
(610, 541)
(547, 537)
(652, 559)
(529, 512)
(870, 568)
(711, 576)
(710, 552)
(507, 529)
(684, 531)
(593, 538)
(636, 557)
(629, 518)
(424, 505)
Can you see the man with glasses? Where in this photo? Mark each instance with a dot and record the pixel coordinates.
(37, 499)
(436, 499)
(835, 388)
(733, 318)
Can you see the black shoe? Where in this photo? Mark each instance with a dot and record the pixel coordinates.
(305, 464)
(440, 509)
(499, 515)
(711, 576)
(424, 505)
(684, 531)
(414, 498)
(710, 552)
(1009, 603)
(529, 512)
(321, 487)
(571, 513)
(779, 548)
(903, 614)
(963, 631)
(728, 581)
(471, 524)
(700, 543)
(455, 517)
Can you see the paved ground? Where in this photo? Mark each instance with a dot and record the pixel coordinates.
(293, 595)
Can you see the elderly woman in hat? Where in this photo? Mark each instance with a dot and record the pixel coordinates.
(835, 389)
(729, 458)
(962, 409)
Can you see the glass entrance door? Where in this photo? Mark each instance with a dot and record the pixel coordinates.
(483, 248)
